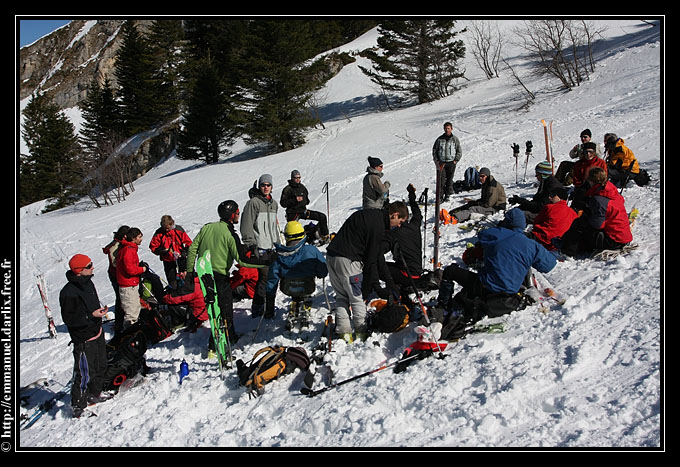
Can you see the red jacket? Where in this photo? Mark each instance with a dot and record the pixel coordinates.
(128, 269)
(164, 243)
(246, 276)
(552, 222)
(583, 166)
(607, 212)
(194, 299)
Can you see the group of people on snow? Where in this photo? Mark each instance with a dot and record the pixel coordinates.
(354, 260)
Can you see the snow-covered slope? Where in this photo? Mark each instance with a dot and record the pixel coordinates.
(586, 374)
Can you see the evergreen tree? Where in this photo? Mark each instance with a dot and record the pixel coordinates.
(166, 39)
(418, 58)
(211, 116)
(280, 83)
(51, 169)
(135, 74)
(102, 125)
(206, 127)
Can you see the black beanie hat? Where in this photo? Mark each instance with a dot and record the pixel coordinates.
(374, 161)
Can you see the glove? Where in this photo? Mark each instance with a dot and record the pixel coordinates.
(515, 149)
(410, 188)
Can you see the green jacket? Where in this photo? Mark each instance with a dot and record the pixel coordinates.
(224, 246)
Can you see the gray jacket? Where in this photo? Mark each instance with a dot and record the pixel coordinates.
(375, 191)
(259, 225)
(446, 149)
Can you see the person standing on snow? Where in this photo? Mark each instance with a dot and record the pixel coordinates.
(111, 251)
(376, 193)
(353, 253)
(225, 247)
(295, 199)
(170, 243)
(82, 314)
(446, 153)
(128, 274)
(260, 231)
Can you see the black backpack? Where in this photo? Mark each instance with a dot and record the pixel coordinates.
(388, 317)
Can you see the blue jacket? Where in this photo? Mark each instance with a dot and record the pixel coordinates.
(509, 254)
(295, 262)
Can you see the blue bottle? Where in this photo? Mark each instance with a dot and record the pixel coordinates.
(183, 370)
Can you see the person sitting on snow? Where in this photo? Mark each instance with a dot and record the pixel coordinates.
(492, 200)
(554, 219)
(565, 170)
(604, 223)
(547, 183)
(295, 198)
(622, 166)
(295, 260)
(508, 256)
(582, 168)
(191, 294)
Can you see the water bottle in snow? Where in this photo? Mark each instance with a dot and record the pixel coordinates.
(183, 370)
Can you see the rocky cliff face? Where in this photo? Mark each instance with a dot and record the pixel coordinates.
(64, 63)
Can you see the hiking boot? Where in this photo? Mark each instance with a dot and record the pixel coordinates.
(257, 310)
(348, 337)
(362, 336)
(93, 399)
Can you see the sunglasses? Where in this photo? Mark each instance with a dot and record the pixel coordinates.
(266, 185)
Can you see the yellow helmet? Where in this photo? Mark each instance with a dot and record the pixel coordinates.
(293, 231)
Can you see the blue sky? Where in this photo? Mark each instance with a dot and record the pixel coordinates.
(32, 30)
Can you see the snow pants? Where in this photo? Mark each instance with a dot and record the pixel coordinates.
(89, 368)
(465, 214)
(346, 278)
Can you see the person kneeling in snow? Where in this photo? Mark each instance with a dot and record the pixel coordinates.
(508, 256)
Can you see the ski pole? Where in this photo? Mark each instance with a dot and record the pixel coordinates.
(529, 145)
(515, 154)
(311, 393)
(423, 198)
(328, 202)
(420, 301)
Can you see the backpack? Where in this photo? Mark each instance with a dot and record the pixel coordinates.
(642, 178)
(388, 317)
(471, 178)
(268, 364)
